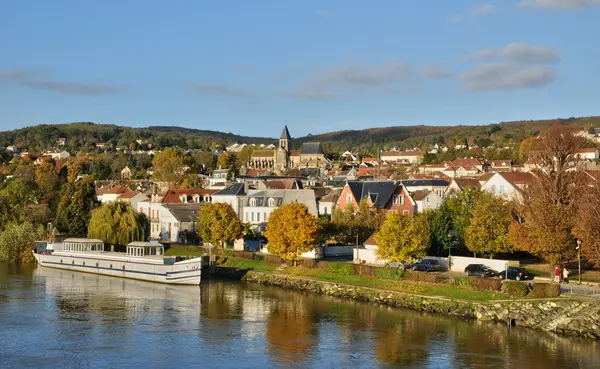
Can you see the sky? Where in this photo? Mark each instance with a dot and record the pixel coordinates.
(249, 67)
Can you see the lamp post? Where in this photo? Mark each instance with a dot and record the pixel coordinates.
(579, 259)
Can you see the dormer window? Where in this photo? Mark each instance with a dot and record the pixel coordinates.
(183, 199)
(196, 198)
(271, 202)
(252, 202)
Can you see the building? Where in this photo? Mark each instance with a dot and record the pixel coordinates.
(126, 173)
(381, 195)
(233, 195)
(402, 157)
(438, 186)
(328, 202)
(426, 200)
(218, 179)
(590, 153)
(259, 204)
(508, 185)
(121, 193)
(459, 184)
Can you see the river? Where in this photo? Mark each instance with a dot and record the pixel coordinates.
(52, 318)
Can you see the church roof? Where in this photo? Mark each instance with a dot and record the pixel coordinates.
(311, 148)
(263, 153)
(285, 134)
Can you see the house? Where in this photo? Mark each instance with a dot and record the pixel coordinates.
(508, 185)
(177, 222)
(218, 179)
(368, 161)
(188, 196)
(402, 157)
(327, 203)
(436, 185)
(459, 184)
(101, 145)
(348, 156)
(57, 155)
(133, 198)
(382, 195)
(120, 193)
(587, 153)
(426, 200)
(233, 195)
(61, 141)
(13, 148)
(126, 173)
(259, 204)
(498, 165)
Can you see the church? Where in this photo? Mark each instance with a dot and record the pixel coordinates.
(310, 155)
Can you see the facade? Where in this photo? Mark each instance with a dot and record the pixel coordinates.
(426, 200)
(587, 154)
(232, 195)
(459, 184)
(508, 185)
(402, 157)
(259, 204)
(382, 195)
(328, 203)
(126, 173)
(438, 186)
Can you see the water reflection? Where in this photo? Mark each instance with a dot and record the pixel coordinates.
(50, 317)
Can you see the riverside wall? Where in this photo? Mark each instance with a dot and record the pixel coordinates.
(579, 317)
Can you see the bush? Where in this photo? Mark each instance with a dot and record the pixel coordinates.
(515, 288)
(273, 260)
(389, 273)
(366, 270)
(486, 284)
(545, 290)
(424, 277)
(258, 257)
(244, 254)
(461, 281)
(323, 265)
(341, 268)
(229, 253)
(308, 263)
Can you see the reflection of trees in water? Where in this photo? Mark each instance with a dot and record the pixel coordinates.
(20, 273)
(291, 329)
(220, 300)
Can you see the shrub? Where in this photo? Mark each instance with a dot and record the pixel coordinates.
(341, 268)
(389, 273)
(323, 265)
(487, 284)
(424, 277)
(258, 257)
(366, 270)
(515, 288)
(243, 254)
(544, 290)
(272, 259)
(461, 281)
(229, 253)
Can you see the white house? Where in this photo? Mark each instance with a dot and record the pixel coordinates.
(259, 204)
(120, 193)
(402, 157)
(508, 185)
(328, 202)
(57, 154)
(438, 186)
(126, 173)
(218, 179)
(587, 154)
(426, 199)
(233, 195)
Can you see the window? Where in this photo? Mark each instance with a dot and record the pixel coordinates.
(501, 190)
(325, 210)
(252, 216)
(271, 202)
(427, 199)
(258, 217)
(265, 216)
(252, 202)
(348, 199)
(401, 200)
(493, 188)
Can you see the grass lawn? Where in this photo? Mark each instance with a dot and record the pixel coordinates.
(182, 250)
(257, 265)
(400, 286)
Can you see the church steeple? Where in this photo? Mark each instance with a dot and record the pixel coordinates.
(284, 140)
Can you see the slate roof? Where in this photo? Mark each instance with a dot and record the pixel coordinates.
(311, 148)
(261, 197)
(184, 212)
(425, 182)
(236, 189)
(285, 134)
(420, 195)
(379, 192)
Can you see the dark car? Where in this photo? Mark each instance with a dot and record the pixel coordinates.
(480, 270)
(514, 273)
(427, 265)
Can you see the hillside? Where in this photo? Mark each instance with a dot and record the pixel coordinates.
(86, 133)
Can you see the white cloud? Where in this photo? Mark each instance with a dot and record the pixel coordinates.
(499, 76)
(23, 78)
(218, 89)
(353, 79)
(482, 10)
(436, 70)
(518, 52)
(558, 4)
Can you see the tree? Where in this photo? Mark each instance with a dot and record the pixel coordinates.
(459, 209)
(543, 222)
(20, 193)
(117, 223)
(487, 232)
(362, 222)
(167, 166)
(587, 225)
(402, 238)
(46, 177)
(291, 231)
(243, 157)
(526, 146)
(441, 234)
(16, 241)
(77, 201)
(227, 161)
(218, 224)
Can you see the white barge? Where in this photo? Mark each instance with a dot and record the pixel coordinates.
(142, 260)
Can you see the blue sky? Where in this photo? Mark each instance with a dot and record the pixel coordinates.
(248, 67)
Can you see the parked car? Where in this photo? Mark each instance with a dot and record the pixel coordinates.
(427, 265)
(399, 265)
(480, 270)
(515, 273)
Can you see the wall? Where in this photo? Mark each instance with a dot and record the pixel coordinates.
(367, 254)
(338, 250)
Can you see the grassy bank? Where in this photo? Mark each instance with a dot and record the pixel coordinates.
(184, 250)
(257, 265)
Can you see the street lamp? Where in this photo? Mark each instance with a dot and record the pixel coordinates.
(579, 259)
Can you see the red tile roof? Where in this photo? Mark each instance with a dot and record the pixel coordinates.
(173, 196)
(587, 150)
(518, 178)
(117, 190)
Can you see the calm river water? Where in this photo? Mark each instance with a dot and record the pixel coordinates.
(51, 318)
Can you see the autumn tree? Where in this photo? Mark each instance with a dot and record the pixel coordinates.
(458, 210)
(361, 223)
(402, 238)
(243, 157)
(167, 166)
(17, 239)
(117, 223)
(526, 146)
(487, 232)
(544, 220)
(77, 200)
(46, 177)
(587, 225)
(291, 231)
(227, 161)
(218, 224)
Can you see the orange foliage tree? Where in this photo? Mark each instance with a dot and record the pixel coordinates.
(291, 231)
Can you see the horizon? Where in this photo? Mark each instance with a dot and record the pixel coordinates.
(319, 67)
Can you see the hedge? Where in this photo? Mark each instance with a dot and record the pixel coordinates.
(544, 290)
(341, 268)
(389, 273)
(461, 281)
(487, 284)
(515, 288)
(424, 277)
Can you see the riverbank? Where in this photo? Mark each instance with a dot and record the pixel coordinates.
(568, 316)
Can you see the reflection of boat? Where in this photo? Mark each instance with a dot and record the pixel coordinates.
(142, 260)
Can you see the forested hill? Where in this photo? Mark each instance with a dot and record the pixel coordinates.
(86, 134)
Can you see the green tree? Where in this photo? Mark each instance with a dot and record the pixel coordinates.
(117, 223)
(362, 222)
(46, 177)
(402, 238)
(441, 233)
(227, 161)
(243, 157)
(459, 208)
(218, 224)
(291, 231)
(167, 166)
(77, 201)
(16, 241)
(487, 232)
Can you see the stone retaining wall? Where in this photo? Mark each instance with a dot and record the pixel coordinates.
(566, 316)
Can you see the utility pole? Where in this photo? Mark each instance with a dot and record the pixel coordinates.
(357, 258)
(579, 259)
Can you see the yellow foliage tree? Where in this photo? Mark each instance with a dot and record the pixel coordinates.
(291, 231)
(218, 224)
(402, 238)
(167, 166)
(487, 232)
